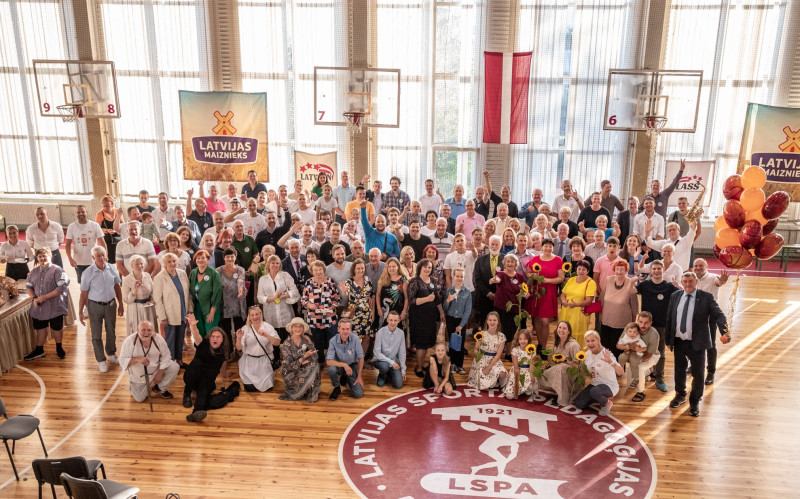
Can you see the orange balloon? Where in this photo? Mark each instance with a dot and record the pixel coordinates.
(756, 215)
(753, 177)
(720, 224)
(727, 237)
(752, 199)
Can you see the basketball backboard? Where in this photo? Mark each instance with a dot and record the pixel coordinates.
(634, 94)
(89, 84)
(374, 92)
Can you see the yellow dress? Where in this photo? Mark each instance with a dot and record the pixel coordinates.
(577, 292)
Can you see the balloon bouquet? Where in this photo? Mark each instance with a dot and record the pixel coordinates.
(745, 228)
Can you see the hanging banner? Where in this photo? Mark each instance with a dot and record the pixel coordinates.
(771, 140)
(505, 106)
(696, 174)
(307, 167)
(224, 135)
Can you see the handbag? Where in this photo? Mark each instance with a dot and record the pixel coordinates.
(456, 342)
(272, 360)
(593, 308)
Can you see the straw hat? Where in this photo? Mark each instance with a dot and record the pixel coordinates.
(298, 320)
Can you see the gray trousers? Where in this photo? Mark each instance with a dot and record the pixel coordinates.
(99, 314)
(139, 390)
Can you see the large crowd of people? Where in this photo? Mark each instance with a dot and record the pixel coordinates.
(356, 278)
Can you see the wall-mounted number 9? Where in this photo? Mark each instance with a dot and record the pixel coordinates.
(612, 120)
(46, 107)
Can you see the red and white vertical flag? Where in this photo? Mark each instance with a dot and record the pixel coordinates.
(505, 108)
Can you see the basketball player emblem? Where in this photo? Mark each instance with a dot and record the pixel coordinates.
(476, 444)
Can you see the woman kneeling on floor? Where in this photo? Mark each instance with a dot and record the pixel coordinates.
(256, 341)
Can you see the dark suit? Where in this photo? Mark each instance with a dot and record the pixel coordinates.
(299, 279)
(481, 275)
(706, 311)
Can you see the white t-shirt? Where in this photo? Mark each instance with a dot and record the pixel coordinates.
(466, 261)
(84, 237)
(706, 283)
(158, 215)
(639, 222)
(561, 201)
(252, 225)
(602, 372)
(430, 203)
(329, 206)
(308, 216)
(126, 250)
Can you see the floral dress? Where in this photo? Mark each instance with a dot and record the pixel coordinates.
(557, 378)
(359, 298)
(301, 381)
(490, 345)
(523, 370)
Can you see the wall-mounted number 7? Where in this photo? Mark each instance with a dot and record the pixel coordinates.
(321, 115)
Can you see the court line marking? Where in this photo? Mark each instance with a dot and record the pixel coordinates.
(74, 430)
(42, 389)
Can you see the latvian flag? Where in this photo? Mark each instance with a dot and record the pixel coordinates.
(505, 108)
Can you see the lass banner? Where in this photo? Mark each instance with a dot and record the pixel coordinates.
(308, 166)
(771, 140)
(224, 135)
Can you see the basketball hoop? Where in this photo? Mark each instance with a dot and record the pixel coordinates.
(355, 120)
(70, 112)
(653, 125)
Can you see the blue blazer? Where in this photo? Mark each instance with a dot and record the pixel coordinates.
(706, 312)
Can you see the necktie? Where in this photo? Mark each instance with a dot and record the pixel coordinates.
(494, 264)
(297, 267)
(560, 251)
(685, 313)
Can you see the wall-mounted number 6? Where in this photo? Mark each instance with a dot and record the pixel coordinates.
(612, 120)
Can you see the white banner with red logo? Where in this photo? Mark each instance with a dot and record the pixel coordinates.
(696, 175)
(224, 135)
(307, 167)
(505, 103)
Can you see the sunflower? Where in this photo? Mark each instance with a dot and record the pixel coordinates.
(478, 336)
(536, 267)
(567, 267)
(530, 349)
(558, 358)
(580, 356)
(524, 287)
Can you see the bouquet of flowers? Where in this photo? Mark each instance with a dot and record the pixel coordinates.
(478, 350)
(579, 373)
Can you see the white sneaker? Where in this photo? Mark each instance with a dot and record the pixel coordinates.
(606, 409)
(112, 359)
(103, 367)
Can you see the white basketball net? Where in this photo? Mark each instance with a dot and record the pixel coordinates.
(70, 113)
(652, 128)
(354, 122)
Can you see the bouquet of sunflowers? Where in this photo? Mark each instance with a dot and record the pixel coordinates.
(579, 373)
(478, 350)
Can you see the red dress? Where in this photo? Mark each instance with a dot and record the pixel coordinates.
(546, 306)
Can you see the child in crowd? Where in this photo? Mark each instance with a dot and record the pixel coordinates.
(631, 337)
(487, 367)
(438, 376)
(150, 230)
(457, 307)
(516, 385)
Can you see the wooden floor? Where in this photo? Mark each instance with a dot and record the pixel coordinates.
(743, 445)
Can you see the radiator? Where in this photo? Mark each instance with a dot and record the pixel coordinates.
(24, 214)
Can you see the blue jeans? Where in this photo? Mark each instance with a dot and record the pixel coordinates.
(79, 271)
(174, 336)
(386, 370)
(338, 377)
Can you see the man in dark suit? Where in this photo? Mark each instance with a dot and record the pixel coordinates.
(688, 336)
(485, 268)
(295, 263)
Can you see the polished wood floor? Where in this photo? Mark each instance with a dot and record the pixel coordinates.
(743, 445)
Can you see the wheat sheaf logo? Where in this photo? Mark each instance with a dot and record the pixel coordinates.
(478, 444)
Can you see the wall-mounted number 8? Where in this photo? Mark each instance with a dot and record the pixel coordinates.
(612, 120)
(111, 109)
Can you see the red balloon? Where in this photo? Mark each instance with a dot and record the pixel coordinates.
(769, 246)
(735, 257)
(733, 187)
(769, 227)
(775, 205)
(734, 214)
(750, 235)
(716, 251)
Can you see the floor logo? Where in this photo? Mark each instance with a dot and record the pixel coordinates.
(476, 444)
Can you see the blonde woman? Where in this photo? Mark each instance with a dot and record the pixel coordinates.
(407, 260)
(256, 340)
(277, 293)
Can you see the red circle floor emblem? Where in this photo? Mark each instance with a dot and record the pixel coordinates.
(478, 444)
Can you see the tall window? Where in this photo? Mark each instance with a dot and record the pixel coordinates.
(574, 45)
(437, 46)
(158, 48)
(38, 155)
(736, 44)
(281, 42)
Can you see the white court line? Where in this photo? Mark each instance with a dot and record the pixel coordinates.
(42, 389)
(75, 430)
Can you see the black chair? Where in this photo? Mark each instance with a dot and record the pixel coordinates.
(16, 428)
(50, 470)
(78, 488)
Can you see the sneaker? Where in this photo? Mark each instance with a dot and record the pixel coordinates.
(196, 416)
(112, 359)
(60, 352)
(661, 385)
(187, 401)
(606, 409)
(103, 367)
(335, 393)
(380, 381)
(35, 354)
(680, 398)
(166, 395)
(709, 379)
(694, 411)
(462, 371)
